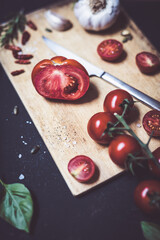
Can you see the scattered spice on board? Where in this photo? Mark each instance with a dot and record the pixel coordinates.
(35, 149)
(13, 48)
(22, 56)
(48, 30)
(17, 72)
(127, 35)
(32, 25)
(15, 110)
(25, 37)
(21, 61)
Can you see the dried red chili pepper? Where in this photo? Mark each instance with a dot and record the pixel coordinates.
(12, 47)
(17, 72)
(21, 61)
(31, 25)
(22, 56)
(25, 37)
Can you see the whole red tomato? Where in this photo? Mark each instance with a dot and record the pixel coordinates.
(60, 78)
(98, 124)
(147, 196)
(121, 146)
(114, 99)
(155, 170)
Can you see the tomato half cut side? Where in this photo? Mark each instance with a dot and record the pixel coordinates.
(65, 61)
(110, 50)
(62, 82)
(82, 168)
(40, 66)
(151, 122)
(147, 62)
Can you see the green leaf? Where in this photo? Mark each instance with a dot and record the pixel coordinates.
(151, 231)
(16, 206)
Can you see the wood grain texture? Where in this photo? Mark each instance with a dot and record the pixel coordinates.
(63, 125)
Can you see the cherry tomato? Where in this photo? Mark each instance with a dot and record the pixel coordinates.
(110, 49)
(121, 146)
(147, 196)
(147, 62)
(60, 78)
(82, 168)
(155, 170)
(114, 99)
(98, 124)
(151, 122)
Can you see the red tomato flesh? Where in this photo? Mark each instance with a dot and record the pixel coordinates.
(147, 62)
(151, 122)
(98, 124)
(82, 168)
(61, 82)
(110, 49)
(121, 146)
(114, 99)
(144, 196)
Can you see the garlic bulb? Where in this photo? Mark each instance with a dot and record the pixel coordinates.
(97, 15)
(57, 22)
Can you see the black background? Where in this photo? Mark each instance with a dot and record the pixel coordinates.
(107, 212)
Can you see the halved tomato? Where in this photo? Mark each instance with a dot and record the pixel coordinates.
(82, 168)
(110, 49)
(60, 78)
(147, 62)
(151, 122)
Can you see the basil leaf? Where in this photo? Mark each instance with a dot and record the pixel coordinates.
(16, 206)
(151, 231)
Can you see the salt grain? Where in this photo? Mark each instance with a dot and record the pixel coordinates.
(21, 136)
(74, 142)
(138, 125)
(20, 155)
(21, 177)
(24, 142)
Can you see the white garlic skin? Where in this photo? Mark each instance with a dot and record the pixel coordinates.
(57, 22)
(101, 20)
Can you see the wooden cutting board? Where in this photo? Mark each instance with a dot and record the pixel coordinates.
(62, 125)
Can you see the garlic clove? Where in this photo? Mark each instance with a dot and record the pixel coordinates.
(57, 22)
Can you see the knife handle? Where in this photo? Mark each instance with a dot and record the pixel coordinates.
(133, 91)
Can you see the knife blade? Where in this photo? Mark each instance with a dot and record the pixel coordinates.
(100, 73)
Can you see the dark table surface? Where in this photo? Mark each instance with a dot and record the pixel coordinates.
(107, 212)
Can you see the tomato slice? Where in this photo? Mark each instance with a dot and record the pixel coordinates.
(147, 62)
(110, 49)
(114, 99)
(61, 82)
(82, 168)
(151, 122)
(97, 125)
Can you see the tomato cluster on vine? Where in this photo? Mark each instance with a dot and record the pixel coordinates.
(127, 150)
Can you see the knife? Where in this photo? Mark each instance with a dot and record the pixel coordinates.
(95, 71)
